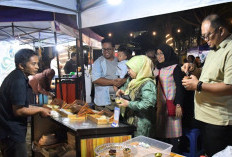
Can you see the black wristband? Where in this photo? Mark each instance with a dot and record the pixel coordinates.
(199, 86)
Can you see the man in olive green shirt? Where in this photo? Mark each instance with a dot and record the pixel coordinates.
(213, 96)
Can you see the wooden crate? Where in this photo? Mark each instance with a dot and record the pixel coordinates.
(71, 139)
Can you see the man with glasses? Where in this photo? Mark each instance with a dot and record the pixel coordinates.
(213, 96)
(104, 77)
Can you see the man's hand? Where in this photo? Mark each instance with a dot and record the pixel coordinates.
(45, 112)
(190, 84)
(119, 93)
(188, 67)
(118, 82)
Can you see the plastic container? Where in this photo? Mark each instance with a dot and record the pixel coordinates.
(103, 150)
(146, 146)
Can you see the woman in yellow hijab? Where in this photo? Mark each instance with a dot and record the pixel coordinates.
(141, 90)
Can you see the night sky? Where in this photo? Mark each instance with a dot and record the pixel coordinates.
(188, 21)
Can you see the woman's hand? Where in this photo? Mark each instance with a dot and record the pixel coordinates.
(120, 92)
(178, 111)
(124, 103)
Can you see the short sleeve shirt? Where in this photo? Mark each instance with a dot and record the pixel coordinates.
(111, 72)
(13, 91)
(211, 108)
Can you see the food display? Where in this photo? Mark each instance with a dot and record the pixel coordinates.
(127, 152)
(85, 110)
(112, 152)
(52, 107)
(156, 155)
(99, 119)
(115, 150)
(58, 102)
(147, 147)
(79, 111)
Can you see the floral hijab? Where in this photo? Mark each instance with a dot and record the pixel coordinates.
(143, 67)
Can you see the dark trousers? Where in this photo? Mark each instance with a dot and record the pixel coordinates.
(10, 148)
(215, 137)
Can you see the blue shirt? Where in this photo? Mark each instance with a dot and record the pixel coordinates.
(13, 91)
(102, 93)
(122, 69)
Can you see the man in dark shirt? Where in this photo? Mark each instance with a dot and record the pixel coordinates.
(14, 105)
(71, 65)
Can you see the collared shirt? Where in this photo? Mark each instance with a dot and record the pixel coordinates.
(102, 93)
(13, 91)
(211, 108)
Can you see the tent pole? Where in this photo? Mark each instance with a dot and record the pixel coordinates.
(58, 65)
(12, 24)
(77, 63)
(81, 50)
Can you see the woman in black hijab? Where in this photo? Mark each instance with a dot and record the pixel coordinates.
(169, 88)
(170, 57)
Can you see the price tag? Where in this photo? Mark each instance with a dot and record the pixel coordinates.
(116, 117)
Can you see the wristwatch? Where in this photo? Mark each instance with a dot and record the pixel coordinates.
(199, 86)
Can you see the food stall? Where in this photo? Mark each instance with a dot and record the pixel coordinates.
(79, 131)
(82, 132)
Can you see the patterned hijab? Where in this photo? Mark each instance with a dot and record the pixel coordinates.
(143, 67)
(169, 55)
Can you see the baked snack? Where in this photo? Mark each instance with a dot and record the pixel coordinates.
(134, 143)
(127, 152)
(158, 154)
(112, 152)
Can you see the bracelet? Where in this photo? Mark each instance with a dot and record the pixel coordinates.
(199, 86)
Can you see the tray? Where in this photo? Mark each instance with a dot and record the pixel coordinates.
(96, 119)
(103, 150)
(146, 146)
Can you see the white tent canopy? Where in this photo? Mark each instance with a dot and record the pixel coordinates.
(99, 12)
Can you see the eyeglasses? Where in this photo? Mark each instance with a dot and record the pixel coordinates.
(209, 35)
(108, 49)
